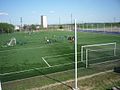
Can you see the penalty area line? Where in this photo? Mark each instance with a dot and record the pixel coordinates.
(46, 62)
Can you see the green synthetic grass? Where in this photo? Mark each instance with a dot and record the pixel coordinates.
(30, 49)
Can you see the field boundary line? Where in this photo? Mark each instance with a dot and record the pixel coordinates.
(48, 74)
(59, 55)
(64, 64)
(105, 62)
(16, 72)
(39, 76)
(22, 49)
(46, 62)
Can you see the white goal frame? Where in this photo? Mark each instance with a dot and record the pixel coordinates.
(86, 50)
(11, 41)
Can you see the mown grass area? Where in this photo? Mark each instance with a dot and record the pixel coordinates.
(99, 82)
(44, 80)
(30, 49)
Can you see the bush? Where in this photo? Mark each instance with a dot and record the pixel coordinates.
(61, 27)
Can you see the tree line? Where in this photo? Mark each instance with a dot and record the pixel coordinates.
(6, 28)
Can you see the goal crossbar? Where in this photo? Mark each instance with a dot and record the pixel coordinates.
(99, 44)
(104, 44)
(93, 50)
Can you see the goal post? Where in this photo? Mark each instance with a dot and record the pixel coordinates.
(86, 48)
(86, 65)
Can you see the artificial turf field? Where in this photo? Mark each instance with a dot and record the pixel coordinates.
(33, 53)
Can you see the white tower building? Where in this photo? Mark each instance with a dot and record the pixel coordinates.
(44, 21)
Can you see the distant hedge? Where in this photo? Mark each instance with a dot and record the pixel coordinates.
(6, 28)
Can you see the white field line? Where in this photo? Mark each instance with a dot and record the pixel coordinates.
(42, 58)
(17, 72)
(46, 62)
(106, 62)
(20, 71)
(55, 73)
(65, 64)
(38, 76)
(102, 58)
(23, 49)
(55, 66)
(59, 55)
(33, 69)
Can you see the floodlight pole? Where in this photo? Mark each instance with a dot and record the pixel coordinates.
(59, 20)
(71, 18)
(83, 25)
(0, 86)
(97, 27)
(111, 27)
(21, 23)
(104, 27)
(76, 87)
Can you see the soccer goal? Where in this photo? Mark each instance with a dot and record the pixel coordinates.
(100, 50)
(12, 42)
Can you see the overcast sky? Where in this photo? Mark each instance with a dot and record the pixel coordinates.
(82, 10)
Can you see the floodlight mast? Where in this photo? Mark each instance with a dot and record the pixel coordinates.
(71, 21)
(0, 86)
(76, 87)
(21, 23)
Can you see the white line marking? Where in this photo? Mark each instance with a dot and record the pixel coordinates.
(59, 55)
(17, 72)
(23, 49)
(106, 62)
(46, 62)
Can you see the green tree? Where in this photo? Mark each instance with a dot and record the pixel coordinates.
(33, 27)
(6, 28)
(60, 27)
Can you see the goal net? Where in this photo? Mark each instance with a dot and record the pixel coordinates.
(12, 42)
(97, 52)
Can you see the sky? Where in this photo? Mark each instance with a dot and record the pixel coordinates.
(59, 11)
